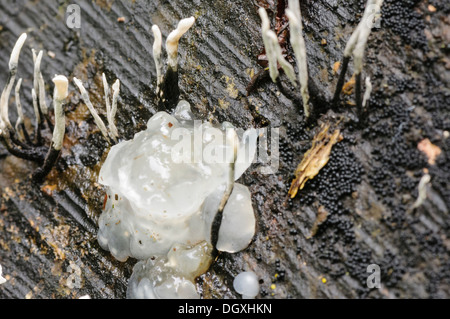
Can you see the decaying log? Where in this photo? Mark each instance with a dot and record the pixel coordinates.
(48, 246)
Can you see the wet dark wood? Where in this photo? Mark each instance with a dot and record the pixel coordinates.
(48, 231)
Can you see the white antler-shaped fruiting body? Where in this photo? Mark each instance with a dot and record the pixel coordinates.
(271, 57)
(60, 93)
(112, 115)
(368, 91)
(298, 45)
(106, 90)
(157, 48)
(20, 116)
(358, 40)
(273, 50)
(38, 82)
(13, 63)
(14, 59)
(111, 110)
(172, 41)
(87, 101)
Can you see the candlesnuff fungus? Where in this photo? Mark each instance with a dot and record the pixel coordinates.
(17, 140)
(5, 124)
(422, 191)
(157, 45)
(39, 85)
(59, 95)
(275, 56)
(111, 109)
(20, 127)
(293, 12)
(368, 91)
(172, 41)
(355, 47)
(273, 50)
(110, 135)
(167, 86)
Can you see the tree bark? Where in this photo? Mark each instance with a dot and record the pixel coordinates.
(48, 246)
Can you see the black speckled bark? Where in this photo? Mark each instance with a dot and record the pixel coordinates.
(48, 233)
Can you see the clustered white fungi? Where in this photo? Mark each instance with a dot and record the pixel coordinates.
(5, 124)
(167, 86)
(16, 139)
(274, 52)
(294, 15)
(355, 47)
(110, 134)
(358, 40)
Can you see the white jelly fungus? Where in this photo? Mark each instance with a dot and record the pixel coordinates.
(164, 188)
(246, 284)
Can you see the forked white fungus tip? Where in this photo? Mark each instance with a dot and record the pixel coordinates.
(116, 86)
(174, 37)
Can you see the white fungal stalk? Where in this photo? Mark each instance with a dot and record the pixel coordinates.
(293, 12)
(422, 191)
(172, 41)
(87, 101)
(59, 95)
(106, 90)
(38, 82)
(109, 112)
(358, 40)
(20, 116)
(157, 48)
(13, 63)
(273, 50)
(368, 91)
(14, 59)
(112, 114)
(36, 108)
